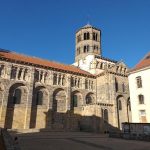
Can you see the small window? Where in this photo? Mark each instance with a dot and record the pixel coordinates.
(141, 99)
(142, 112)
(139, 82)
(142, 116)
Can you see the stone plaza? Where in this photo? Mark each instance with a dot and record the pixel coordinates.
(77, 141)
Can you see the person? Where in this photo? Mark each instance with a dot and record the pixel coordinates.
(15, 140)
(16, 143)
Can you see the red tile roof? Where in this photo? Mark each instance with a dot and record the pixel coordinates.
(12, 56)
(145, 62)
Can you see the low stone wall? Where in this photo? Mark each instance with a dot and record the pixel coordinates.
(2, 147)
(8, 142)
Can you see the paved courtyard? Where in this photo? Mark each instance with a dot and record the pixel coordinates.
(77, 141)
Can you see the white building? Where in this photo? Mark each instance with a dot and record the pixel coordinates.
(139, 85)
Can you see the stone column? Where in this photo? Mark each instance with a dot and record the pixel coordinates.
(68, 97)
(83, 83)
(2, 71)
(22, 73)
(43, 76)
(5, 91)
(51, 74)
(17, 72)
(62, 77)
(29, 101)
(39, 78)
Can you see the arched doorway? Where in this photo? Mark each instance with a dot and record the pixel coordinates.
(59, 107)
(76, 99)
(39, 107)
(121, 110)
(105, 118)
(15, 113)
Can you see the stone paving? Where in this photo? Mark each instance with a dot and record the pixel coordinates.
(77, 141)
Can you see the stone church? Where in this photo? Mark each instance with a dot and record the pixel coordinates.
(90, 95)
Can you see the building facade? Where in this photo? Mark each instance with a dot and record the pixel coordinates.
(92, 94)
(139, 91)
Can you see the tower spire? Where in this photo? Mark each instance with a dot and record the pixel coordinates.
(88, 19)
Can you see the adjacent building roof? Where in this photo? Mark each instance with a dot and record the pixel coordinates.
(19, 58)
(145, 62)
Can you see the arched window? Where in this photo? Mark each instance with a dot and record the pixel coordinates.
(88, 36)
(17, 96)
(88, 48)
(84, 36)
(84, 50)
(74, 100)
(88, 99)
(39, 98)
(119, 105)
(93, 36)
(141, 99)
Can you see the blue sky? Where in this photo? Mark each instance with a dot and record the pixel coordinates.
(46, 28)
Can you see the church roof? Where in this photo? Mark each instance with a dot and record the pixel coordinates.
(20, 58)
(88, 26)
(144, 63)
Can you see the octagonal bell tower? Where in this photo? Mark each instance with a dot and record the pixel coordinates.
(88, 42)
